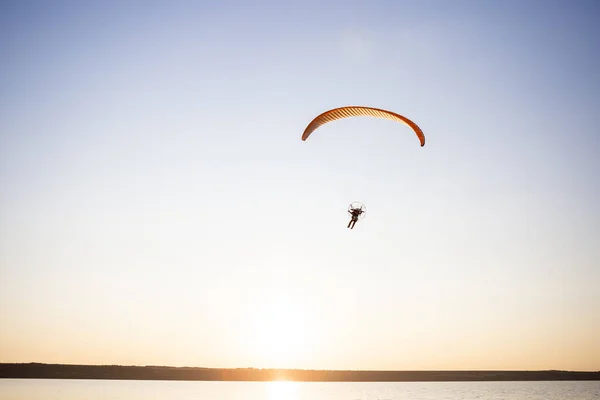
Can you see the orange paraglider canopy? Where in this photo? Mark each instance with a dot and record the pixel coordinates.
(359, 111)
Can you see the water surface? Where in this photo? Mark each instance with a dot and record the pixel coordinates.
(71, 389)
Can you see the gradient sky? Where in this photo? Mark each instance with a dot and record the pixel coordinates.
(157, 205)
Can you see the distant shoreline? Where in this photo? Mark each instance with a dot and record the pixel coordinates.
(121, 372)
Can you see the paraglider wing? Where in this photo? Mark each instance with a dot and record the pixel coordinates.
(357, 111)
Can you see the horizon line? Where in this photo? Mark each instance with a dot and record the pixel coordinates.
(297, 369)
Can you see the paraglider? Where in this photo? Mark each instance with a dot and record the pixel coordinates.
(357, 210)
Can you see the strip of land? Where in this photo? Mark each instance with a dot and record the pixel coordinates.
(70, 371)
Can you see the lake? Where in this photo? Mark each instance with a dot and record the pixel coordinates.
(67, 389)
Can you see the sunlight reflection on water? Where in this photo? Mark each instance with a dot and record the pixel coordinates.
(282, 390)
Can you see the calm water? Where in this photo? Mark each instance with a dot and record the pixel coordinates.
(40, 389)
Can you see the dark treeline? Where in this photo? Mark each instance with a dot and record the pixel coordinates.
(66, 371)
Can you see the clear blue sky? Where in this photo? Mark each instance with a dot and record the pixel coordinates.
(157, 205)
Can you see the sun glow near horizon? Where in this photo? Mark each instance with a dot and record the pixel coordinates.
(282, 332)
